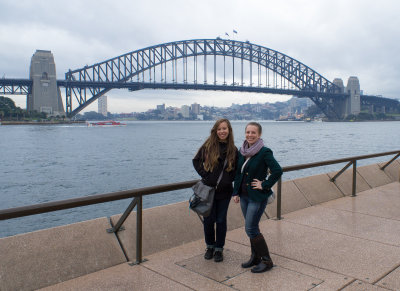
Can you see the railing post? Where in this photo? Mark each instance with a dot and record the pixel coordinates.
(279, 200)
(139, 230)
(353, 190)
(124, 216)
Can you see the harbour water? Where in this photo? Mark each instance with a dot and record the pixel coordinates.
(54, 162)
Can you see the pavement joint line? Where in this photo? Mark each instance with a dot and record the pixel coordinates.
(154, 271)
(294, 182)
(334, 183)
(221, 282)
(301, 262)
(218, 282)
(366, 214)
(390, 218)
(373, 284)
(386, 274)
(348, 284)
(298, 272)
(344, 234)
(318, 267)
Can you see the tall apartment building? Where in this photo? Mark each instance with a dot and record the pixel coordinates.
(102, 105)
(185, 110)
(195, 108)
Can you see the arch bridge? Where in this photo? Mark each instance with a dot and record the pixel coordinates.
(202, 64)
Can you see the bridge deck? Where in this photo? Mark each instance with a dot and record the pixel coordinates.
(344, 244)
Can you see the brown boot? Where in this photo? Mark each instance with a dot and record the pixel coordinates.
(254, 258)
(261, 249)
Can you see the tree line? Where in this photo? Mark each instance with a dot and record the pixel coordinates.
(9, 111)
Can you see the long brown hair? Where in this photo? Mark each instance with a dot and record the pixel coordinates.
(211, 148)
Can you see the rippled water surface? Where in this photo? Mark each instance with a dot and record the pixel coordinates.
(47, 163)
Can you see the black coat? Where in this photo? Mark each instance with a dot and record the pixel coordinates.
(225, 188)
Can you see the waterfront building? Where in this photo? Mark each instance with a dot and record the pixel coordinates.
(185, 111)
(161, 108)
(102, 105)
(195, 108)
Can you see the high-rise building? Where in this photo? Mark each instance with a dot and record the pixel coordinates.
(161, 108)
(45, 96)
(196, 108)
(185, 110)
(102, 105)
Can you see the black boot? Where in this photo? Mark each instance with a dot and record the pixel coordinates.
(209, 253)
(261, 248)
(254, 259)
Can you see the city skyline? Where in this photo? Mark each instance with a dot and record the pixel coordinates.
(338, 40)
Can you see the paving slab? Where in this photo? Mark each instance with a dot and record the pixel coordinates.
(229, 268)
(277, 279)
(121, 277)
(391, 281)
(343, 254)
(318, 189)
(166, 263)
(186, 264)
(345, 182)
(374, 176)
(330, 280)
(381, 201)
(349, 223)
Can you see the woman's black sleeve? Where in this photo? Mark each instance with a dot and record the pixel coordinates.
(198, 164)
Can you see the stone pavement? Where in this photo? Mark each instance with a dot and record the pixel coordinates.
(350, 243)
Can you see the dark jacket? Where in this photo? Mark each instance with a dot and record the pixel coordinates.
(257, 168)
(224, 189)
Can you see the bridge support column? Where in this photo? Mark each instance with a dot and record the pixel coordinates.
(339, 104)
(353, 103)
(45, 95)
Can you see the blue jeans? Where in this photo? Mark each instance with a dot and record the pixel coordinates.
(216, 238)
(252, 212)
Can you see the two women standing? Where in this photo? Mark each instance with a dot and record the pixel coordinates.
(249, 171)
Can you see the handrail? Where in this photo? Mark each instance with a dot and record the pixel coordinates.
(137, 194)
(90, 200)
(114, 196)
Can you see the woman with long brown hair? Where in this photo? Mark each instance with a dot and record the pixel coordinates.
(217, 154)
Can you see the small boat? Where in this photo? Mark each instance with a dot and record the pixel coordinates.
(106, 123)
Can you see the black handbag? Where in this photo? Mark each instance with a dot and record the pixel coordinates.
(202, 199)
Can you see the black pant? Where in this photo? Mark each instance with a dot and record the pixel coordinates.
(218, 215)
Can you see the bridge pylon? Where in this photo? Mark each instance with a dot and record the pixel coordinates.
(45, 95)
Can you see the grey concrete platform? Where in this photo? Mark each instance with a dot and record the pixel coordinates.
(348, 243)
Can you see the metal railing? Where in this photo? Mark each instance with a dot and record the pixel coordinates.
(138, 194)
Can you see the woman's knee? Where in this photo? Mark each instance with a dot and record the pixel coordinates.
(252, 232)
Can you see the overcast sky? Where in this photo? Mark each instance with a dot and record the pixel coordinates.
(340, 38)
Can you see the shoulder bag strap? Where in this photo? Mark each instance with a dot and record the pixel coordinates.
(222, 172)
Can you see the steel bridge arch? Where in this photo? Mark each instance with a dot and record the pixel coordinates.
(89, 83)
